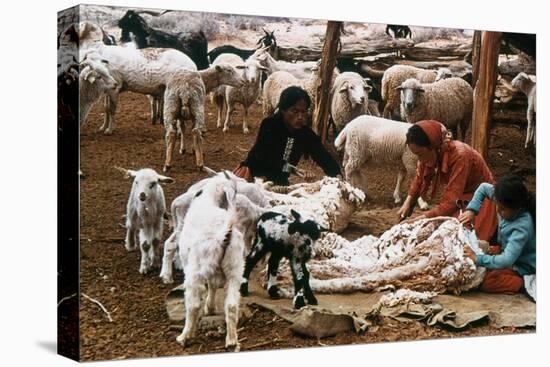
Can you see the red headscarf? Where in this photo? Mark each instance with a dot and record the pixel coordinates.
(440, 139)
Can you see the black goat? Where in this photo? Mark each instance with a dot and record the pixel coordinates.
(267, 40)
(193, 44)
(399, 31)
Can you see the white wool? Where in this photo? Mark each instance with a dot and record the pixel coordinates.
(405, 296)
(427, 255)
(331, 201)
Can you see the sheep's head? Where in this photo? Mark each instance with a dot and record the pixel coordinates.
(443, 73)
(146, 181)
(411, 91)
(95, 71)
(251, 70)
(357, 91)
(132, 21)
(228, 75)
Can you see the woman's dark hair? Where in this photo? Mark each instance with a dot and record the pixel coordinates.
(511, 192)
(291, 95)
(417, 136)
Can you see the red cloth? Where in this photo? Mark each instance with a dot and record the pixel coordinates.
(243, 172)
(501, 281)
(461, 169)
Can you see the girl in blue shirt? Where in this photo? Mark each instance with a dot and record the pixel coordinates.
(516, 234)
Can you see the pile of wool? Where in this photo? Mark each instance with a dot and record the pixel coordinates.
(330, 201)
(424, 256)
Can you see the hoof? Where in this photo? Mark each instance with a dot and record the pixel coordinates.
(244, 290)
(236, 347)
(166, 168)
(299, 302)
(312, 301)
(273, 292)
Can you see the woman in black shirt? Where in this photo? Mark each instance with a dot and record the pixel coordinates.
(282, 140)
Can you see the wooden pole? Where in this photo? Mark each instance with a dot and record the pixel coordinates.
(476, 48)
(328, 62)
(484, 90)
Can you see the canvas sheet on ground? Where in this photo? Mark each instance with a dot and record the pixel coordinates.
(357, 311)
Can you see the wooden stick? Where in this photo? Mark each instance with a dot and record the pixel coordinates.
(65, 299)
(100, 305)
(262, 343)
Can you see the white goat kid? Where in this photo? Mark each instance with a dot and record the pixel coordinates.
(211, 251)
(145, 215)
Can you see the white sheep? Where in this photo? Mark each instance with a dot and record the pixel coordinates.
(371, 139)
(144, 71)
(350, 96)
(246, 94)
(212, 253)
(300, 70)
(523, 82)
(184, 99)
(94, 80)
(395, 75)
(145, 215)
(449, 101)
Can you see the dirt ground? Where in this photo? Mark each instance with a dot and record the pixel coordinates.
(136, 302)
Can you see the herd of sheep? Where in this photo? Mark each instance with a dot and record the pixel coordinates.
(226, 217)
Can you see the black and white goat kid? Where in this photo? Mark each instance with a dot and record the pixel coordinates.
(289, 237)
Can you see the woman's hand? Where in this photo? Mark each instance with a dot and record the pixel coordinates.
(405, 211)
(468, 252)
(411, 220)
(466, 217)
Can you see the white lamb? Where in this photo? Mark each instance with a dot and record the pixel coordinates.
(246, 94)
(449, 101)
(350, 98)
(300, 70)
(371, 139)
(524, 83)
(397, 74)
(145, 215)
(212, 254)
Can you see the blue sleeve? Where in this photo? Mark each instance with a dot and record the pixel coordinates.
(485, 190)
(517, 240)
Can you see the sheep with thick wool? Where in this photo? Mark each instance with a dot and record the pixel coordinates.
(350, 98)
(524, 83)
(395, 75)
(449, 101)
(372, 139)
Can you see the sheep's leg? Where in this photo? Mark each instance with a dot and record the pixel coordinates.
(181, 129)
(130, 242)
(530, 128)
(387, 111)
(397, 192)
(193, 296)
(232, 313)
(230, 108)
(170, 246)
(256, 254)
(272, 267)
(154, 106)
(106, 112)
(156, 253)
(110, 111)
(298, 277)
(307, 288)
(245, 121)
(210, 305)
(220, 101)
(144, 246)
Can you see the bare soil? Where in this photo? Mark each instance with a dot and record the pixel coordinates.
(136, 302)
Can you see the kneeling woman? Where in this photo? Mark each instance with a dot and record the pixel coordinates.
(452, 163)
(282, 140)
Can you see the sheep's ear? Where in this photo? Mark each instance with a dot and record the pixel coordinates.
(239, 67)
(226, 174)
(368, 88)
(127, 172)
(106, 62)
(344, 88)
(398, 88)
(295, 214)
(165, 179)
(323, 229)
(420, 89)
(218, 68)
